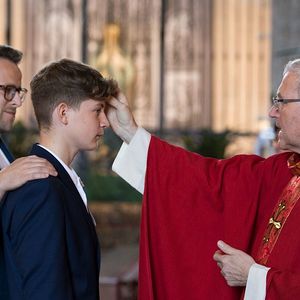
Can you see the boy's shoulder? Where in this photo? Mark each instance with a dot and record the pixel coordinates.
(46, 191)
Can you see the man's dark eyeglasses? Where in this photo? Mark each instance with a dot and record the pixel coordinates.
(11, 90)
(276, 102)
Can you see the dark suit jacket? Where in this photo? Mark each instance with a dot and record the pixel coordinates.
(3, 275)
(50, 244)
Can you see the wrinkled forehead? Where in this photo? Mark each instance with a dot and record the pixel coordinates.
(9, 73)
(289, 86)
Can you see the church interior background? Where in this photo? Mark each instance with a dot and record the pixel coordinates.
(184, 65)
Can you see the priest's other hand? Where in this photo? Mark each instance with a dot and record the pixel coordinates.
(22, 170)
(120, 118)
(234, 264)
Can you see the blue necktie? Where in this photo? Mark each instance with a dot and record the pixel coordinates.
(6, 152)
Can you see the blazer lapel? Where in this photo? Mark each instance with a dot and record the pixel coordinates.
(64, 177)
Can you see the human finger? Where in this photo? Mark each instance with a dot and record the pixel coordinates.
(34, 164)
(115, 102)
(122, 98)
(218, 255)
(227, 249)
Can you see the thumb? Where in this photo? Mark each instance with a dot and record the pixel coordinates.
(122, 98)
(226, 248)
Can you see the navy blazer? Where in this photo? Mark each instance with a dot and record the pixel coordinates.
(51, 248)
(3, 275)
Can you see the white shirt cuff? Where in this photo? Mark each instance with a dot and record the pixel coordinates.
(256, 283)
(131, 161)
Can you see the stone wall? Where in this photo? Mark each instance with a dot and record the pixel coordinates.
(285, 36)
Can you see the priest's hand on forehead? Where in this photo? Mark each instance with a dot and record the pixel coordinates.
(121, 118)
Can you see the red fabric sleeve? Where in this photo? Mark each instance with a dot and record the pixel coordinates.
(190, 203)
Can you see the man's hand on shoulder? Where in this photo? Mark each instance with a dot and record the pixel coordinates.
(22, 170)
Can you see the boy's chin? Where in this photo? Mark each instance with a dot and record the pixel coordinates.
(91, 147)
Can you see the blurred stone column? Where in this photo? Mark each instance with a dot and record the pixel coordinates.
(285, 37)
(188, 64)
(3, 21)
(241, 63)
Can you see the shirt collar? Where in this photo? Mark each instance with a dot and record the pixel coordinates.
(75, 178)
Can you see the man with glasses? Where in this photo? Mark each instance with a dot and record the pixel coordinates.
(193, 204)
(15, 173)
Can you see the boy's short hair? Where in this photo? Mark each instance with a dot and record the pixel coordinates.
(11, 54)
(67, 81)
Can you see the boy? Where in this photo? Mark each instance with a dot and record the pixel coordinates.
(51, 247)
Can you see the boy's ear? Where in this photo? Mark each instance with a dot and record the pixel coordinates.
(62, 112)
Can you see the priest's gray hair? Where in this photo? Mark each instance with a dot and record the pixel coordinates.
(293, 66)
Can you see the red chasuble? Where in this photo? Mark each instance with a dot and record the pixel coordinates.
(280, 246)
(191, 202)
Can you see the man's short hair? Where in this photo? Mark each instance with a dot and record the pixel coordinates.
(67, 81)
(11, 54)
(293, 66)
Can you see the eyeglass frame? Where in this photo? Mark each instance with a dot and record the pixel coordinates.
(277, 101)
(21, 91)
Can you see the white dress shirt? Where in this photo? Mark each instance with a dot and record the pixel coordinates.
(75, 178)
(4, 162)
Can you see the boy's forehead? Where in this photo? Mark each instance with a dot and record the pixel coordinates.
(101, 102)
(94, 102)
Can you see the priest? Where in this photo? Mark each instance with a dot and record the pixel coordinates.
(216, 229)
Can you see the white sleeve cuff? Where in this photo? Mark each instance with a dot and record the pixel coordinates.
(256, 283)
(131, 161)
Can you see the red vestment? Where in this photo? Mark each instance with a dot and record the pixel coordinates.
(191, 202)
(283, 279)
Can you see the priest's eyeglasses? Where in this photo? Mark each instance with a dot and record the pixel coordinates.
(278, 102)
(11, 90)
